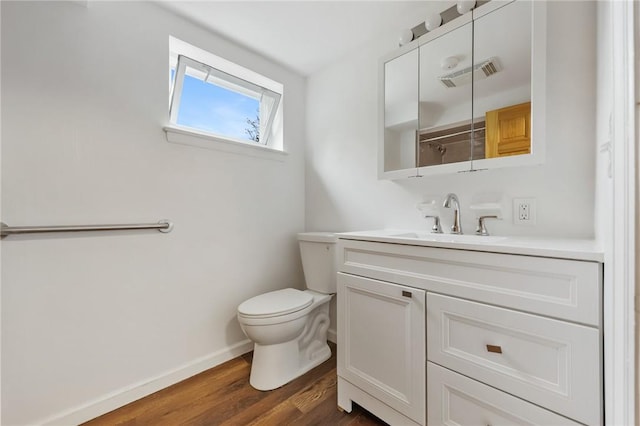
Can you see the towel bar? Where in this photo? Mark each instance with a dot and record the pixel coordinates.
(5, 230)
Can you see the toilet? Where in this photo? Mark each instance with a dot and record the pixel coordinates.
(289, 326)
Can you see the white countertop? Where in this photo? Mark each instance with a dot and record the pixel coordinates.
(576, 249)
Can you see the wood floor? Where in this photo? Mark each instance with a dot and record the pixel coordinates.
(223, 396)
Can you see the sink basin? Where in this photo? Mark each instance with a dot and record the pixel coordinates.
(450, 238)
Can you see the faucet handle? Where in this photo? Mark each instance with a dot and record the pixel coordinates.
(436, 228)
(482, 230)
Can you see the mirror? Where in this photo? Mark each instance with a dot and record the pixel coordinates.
(445, 98)
(400, 111)
(474, 104)
(502, 99)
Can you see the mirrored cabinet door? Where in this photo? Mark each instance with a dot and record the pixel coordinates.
(400, 111)
(502, 84)
(469, 95)
(446, 72)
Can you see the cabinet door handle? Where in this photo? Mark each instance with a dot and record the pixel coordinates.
(494, 349)
(406, 293)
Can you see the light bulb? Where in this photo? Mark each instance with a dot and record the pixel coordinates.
(464, 6)
(406, 36)
(433, 21)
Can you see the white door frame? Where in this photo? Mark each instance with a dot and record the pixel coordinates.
(620, 250)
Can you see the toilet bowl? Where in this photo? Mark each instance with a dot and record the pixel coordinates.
(289, 326)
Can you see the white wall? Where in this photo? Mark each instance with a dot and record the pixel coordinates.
(343, 193)
(84, 99)
(604, 131)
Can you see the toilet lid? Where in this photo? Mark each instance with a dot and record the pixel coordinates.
(275, 303)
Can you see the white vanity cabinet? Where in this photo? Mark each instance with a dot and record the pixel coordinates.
(430, 335)
(381, 343)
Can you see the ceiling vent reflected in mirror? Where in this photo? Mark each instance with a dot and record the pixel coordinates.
(479, 71)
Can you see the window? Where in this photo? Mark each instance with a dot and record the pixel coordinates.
(222, 101)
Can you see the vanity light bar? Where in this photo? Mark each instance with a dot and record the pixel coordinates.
(447, 15)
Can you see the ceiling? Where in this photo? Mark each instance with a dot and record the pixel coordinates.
(306, 36)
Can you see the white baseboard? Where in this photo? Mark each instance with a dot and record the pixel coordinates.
(332, 336)
(118, 398)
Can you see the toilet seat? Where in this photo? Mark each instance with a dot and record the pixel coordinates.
(275, 304)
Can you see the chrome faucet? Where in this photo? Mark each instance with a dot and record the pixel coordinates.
(455, 228)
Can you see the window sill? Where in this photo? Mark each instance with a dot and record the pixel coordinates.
(190, 137)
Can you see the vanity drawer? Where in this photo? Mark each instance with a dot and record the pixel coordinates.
(551, 363)
(565, 289)
(454, 399)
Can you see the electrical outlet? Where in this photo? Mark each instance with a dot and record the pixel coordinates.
(524, 211)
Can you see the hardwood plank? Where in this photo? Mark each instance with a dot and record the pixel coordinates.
(216, 406)
(277, 396)
(325, 412)
(187, 393)
(364, 418)
(312, 396)
(282, 414)
(223, 396)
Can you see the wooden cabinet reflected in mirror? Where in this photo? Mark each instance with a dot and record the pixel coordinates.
(508, 131)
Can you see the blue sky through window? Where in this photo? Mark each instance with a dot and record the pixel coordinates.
(212, 108)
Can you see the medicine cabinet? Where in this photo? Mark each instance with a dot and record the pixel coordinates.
(469, 95)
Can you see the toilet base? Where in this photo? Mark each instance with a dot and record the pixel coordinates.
(276, 365)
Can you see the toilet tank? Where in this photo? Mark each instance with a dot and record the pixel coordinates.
(319, 260)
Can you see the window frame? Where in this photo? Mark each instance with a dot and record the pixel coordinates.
(230, 76)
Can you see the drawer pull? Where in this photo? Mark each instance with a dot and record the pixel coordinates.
(406, 293)
(494, 349)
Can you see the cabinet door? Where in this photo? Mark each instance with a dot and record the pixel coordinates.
(381, 342)
(502, 91)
